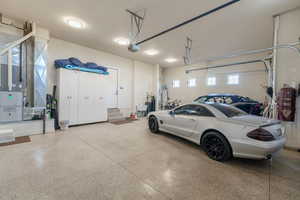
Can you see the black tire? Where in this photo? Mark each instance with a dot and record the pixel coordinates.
(216, 146)
(153, 124)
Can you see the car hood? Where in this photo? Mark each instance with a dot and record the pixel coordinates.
(254, 120)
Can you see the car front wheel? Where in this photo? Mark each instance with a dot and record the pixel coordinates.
(153, 124)
(216, 146)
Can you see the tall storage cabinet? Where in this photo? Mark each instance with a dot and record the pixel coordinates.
(82, 97)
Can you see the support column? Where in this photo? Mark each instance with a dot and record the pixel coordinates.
(156, 85)
(274, 66)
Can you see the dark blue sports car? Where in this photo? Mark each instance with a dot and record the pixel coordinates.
(244, 103)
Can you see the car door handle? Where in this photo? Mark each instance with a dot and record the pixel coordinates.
(192, 120)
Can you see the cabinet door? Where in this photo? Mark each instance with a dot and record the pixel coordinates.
(84, 98)
(68, 89)
(101, 99)
(92, 105)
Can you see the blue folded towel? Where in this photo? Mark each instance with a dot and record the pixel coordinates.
(61, 63)
(102, 68)
(84, 69)
(91, 65)
(76, 62)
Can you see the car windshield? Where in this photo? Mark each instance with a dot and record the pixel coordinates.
(201, 99)
(245, 99)
(229, 111)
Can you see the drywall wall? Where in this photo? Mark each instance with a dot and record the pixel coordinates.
(251, 76)
(288, 61)
(136, 78)
(143, 82)
(288, 67)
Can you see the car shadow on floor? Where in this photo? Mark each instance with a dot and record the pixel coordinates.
(283, 164)
(238, 162)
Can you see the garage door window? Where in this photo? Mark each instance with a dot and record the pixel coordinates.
(233, 79)
(192, 83)
(211, 81)
(176, 84)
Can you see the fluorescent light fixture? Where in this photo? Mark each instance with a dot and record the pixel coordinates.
(151, 52)
(75, 22)
(171, 60)
(122, 41)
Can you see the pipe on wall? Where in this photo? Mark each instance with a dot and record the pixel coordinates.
(225, 65)
(274, 62)
(291, 46)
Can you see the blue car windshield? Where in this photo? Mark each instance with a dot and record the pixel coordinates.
(229, 111)
(201, 99)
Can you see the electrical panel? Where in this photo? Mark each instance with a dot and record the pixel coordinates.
(11, 106)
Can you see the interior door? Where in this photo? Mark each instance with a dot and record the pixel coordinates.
(112, 88)
(181, 122)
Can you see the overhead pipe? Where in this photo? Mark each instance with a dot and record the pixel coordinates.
(265, 61)
(257, 51)
(188, 21)
(274, 65)
(17, 42)
(226, 65)
(9, 70)
(8, 50)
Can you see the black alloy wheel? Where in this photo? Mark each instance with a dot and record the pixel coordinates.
(153, 124)
(216, 146)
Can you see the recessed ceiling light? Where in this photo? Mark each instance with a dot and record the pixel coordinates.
(122, 41)
(151, 52)
(171, 60)
(74, 22)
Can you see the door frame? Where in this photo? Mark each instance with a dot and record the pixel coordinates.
(118, 82)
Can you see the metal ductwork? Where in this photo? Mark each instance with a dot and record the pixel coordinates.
(24, 67)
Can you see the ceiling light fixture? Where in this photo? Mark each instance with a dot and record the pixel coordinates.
(122, 41)
(74, 22)
(151, 52)
(171, 60)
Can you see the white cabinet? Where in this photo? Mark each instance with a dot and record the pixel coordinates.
(68, 95)
(82, 97)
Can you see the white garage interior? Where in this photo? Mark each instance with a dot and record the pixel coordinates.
(149, 99)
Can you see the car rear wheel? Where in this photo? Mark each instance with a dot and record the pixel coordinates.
(153, 124)
(216, 146)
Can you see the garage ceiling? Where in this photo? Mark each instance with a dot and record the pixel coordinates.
(242, 26)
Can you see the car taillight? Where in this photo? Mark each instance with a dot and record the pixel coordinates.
(261, 134)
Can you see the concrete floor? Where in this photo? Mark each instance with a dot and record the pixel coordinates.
(106, 161)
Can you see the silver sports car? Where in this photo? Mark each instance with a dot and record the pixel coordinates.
(222, 130)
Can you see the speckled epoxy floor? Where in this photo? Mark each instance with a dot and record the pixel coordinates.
(106, 161)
